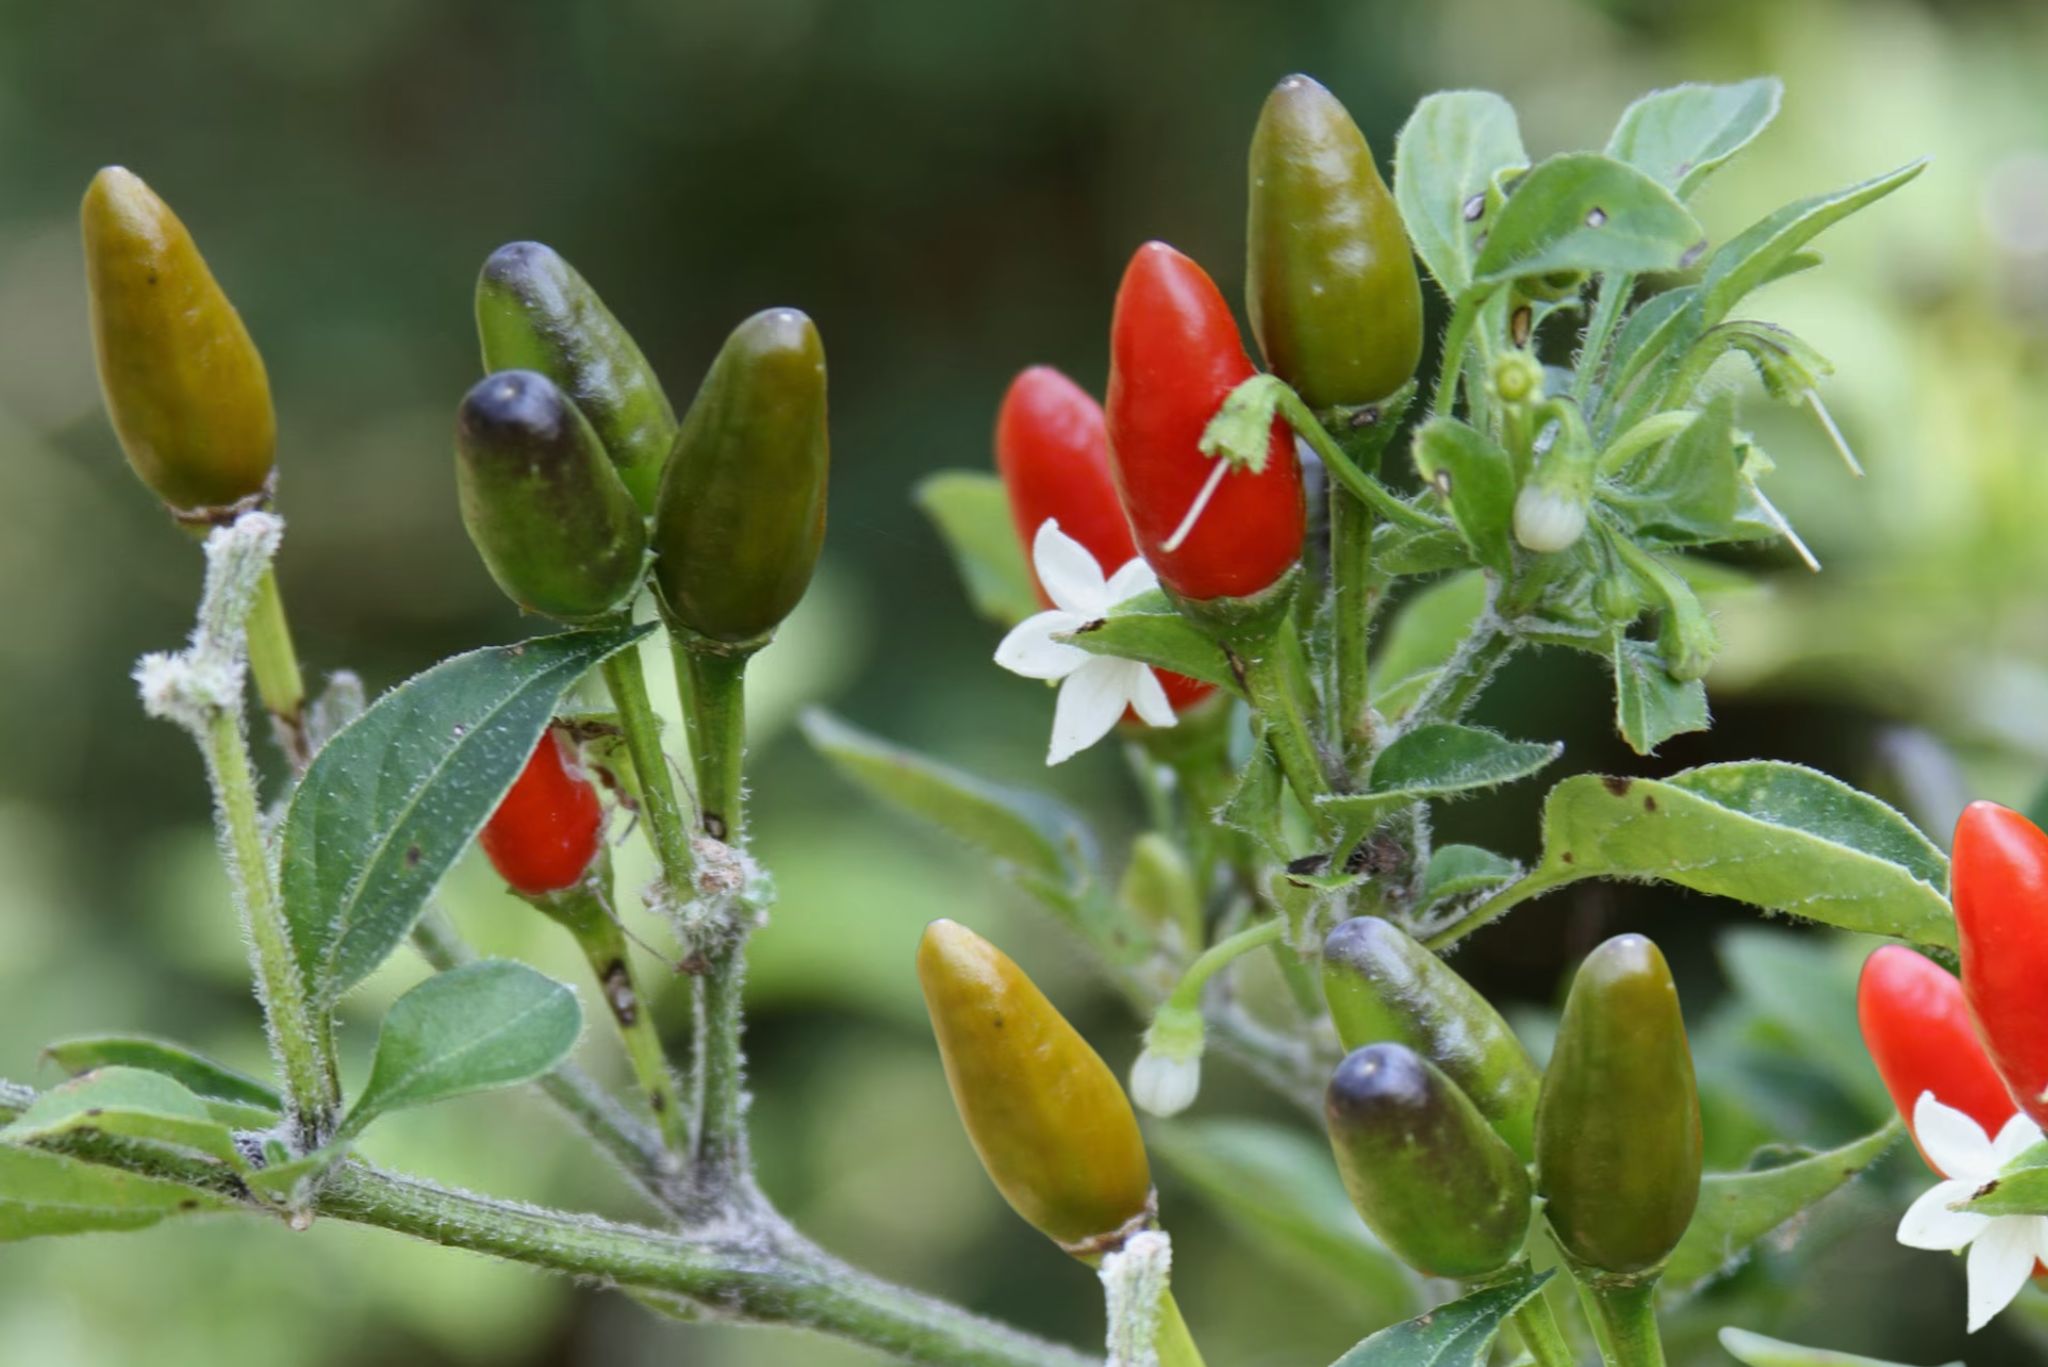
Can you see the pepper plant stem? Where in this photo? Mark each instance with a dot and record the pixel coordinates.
(1540, 1334)
(274, 665)
(1354, 590)
(1628, 1320)
(1615, 288)
(626, 679)
(1174, 1344)
(1275, 682)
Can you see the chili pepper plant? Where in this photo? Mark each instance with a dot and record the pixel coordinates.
(1279, 588)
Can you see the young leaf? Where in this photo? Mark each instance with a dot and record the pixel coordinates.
(126, 1103)
(1455, 870)
(1737, 1209)
(1436, 761)
(972, 513)
(50, 1193)
(1585, 212)
(1680, 136)
(396, 797)
(1029, 833)
(1445, 160)
(1758, 1351)
(1277, 1187)
(1688, 492)
(1778, 836)
(1474, 477)
(1460, 1334)
(1753, 256)
(1652, 331)
(288, 1181)
(1650, 706)
(486, 1024)
(1148, 629)
(211, 1080)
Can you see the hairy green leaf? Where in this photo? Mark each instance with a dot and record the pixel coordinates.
(1459, 1334)
(214, 1081)
(1148, 629)
(1455, 870)
(486, 1024)
(126, 1103)
(1681, 135)
(1424, 634)
(2022, 1191)
(1650, 706)
(1689, 491)
(1585, 212)
(1474, 478)
(1436, 761)
(1758, 1351)
(395, 798)
(972, 513)
(1445, 160)
(49, 1193)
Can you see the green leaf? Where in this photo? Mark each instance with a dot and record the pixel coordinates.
(1778, 836)
(487, 1024)
(1148, 629)
(1806, 987)
(1650, 706)
(1406, 551)
(1445, 160)
(1253, 807)
(2020, 1191)
(1787, 365)
(1455, 870)
(1737, 1209)
(288, 1181)
(972, 513)
(1754, 256)
(1680, 136)
(1460, 1334)
(1242, 430)
(1689, 491)
(1425, 633)
(395, 798)
(1028, 832)
(211, 1080)
(1278, 1188)
(50, 1193)
(1585, 212)
(1436, 761)
(125, 1103)
(1475, 478)
(1653, 329)
(1758, 1351)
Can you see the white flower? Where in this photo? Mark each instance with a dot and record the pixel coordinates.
(2003, 1248)
(1094, 689)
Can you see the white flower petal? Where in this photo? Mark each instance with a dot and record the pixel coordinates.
(2001, 1260)
(2019, 1134)
(1134, 578)
(1070, 575)
(1165, 1086)
(1091, 700)
(1955, 1143)
(1930, 1224)
(1148, 696)
(1030, 650)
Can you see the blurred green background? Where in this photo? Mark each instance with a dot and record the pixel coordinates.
(951, 190)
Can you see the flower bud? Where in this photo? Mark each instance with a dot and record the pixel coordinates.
(1167, 1076)
(534, 312)
(183, 383)
(740, 517)
(555, 526)
(1427, 1173)
(1045, 1114)
(1550, 510)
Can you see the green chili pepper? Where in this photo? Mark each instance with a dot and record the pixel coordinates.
(1045, 1114)
(183, 383)
(1383, 986)
(1425, 1170)
(554, 524)
(741, 514)
(1618, 1126)
(534, 312)
(1329, 278)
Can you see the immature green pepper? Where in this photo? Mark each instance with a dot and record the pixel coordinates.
(183, 383)
(1329, 278)
(1425, 1170)
(741, 513)
(534, 312)
(1618, 1127)
(1384, 986)
(547, 511)
(1046, 1115)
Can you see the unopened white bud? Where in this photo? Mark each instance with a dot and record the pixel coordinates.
(1548, 520)
(1168, 1075)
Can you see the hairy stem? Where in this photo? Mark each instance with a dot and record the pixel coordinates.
(1278, 687)
(1540, 1333)
(1628, 1321)
(1354, 590)
(1615, 288)
(626, 680)
(274, 665)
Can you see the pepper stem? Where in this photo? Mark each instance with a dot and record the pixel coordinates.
(1627, 1318)
(1175, 1345)
(1540, 1333)
(1276, 680)
(1187, 993)
(626, 679)
(274, 665)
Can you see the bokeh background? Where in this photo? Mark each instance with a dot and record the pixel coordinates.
(951, 190)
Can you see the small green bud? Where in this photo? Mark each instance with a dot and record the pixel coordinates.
(1518, 377)
(534, 312)
(1159, 889)
(1424, 1169)
(554, 524)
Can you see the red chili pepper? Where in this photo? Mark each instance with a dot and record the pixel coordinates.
(1998, 881)
(1175, 355)
(548, 829)
(1917, 1028)
(1052, 450)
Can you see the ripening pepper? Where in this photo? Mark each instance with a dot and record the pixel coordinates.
(1425, 1170)
(185, 386)
(1175, 355)
(549, 827)
(1330, 281)
(540, 498)
(1053, 1129)
(534, 312)
(1052, 451)
(1383, 986)
(1998, 880)
(1618, 1125)
(1917, 1028)
(741, 513)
